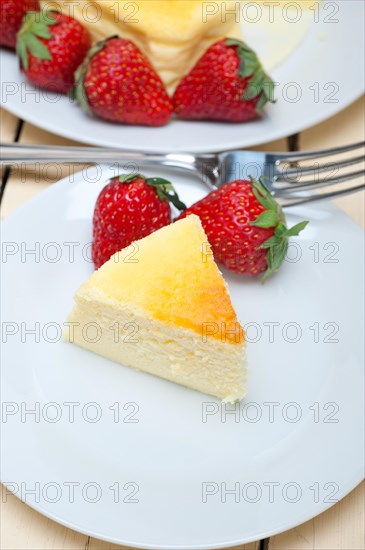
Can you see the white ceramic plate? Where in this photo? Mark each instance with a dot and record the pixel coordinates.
(315, 61)
(159, 458)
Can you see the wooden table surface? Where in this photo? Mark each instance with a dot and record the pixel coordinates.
(342, 526)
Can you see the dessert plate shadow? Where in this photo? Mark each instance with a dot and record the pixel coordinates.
(135, 460)
(301, 56)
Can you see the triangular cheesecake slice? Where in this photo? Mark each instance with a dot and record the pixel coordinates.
(162, 306)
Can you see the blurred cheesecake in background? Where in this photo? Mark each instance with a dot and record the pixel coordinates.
(172, 33)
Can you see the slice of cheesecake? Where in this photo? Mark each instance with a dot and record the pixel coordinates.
(162, 306)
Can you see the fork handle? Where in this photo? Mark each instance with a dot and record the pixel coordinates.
(11, 154)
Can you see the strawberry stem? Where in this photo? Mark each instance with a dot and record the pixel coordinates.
(35, 25)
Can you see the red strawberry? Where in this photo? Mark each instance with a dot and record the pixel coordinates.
(128, 208)
(227, 83)
(12, 13)
(245, 226)
(117, 82)
(51, 46)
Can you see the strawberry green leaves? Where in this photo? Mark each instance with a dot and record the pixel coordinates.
(35, 25)
(273, 209)
(128, 178)
(278, 246)
(267, 219)
(273, 217)
(260, 85)
(296, 229)
(164, 188)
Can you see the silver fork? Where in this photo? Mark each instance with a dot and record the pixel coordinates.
(288, 180)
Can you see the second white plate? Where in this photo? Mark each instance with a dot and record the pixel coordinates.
(312, 85)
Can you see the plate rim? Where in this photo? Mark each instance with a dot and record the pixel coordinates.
(229, 544)
(267, 137)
